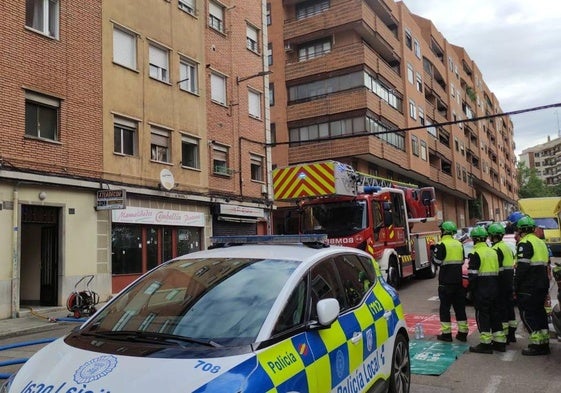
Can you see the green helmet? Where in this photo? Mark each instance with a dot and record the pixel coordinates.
(448, 227)
(496, 229)
(478, 232)
(526, 222)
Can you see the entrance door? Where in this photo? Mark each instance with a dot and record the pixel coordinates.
(49, 266)
(39, 250)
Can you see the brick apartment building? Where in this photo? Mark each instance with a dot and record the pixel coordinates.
(161, 108)
(348, 69)
(158, 107)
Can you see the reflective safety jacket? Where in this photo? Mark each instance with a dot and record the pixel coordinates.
(531, 269)
(449, 253)
(507, 261)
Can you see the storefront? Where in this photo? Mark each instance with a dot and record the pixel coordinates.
(230, 219)
(142, 238)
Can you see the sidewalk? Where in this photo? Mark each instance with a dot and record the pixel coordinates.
(35, 320)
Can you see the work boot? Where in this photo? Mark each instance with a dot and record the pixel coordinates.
(501, 347)
(445, 337)
(536, 350)
(511, 336)
(461, 336)
(482, 348)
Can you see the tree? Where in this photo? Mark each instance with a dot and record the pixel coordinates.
(530, 185)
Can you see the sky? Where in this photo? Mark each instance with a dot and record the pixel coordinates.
(517, 46)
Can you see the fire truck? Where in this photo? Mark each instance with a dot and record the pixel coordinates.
(363, 211)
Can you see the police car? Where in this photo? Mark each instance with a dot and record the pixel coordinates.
(296, 317)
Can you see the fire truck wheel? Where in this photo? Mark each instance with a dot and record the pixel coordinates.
(393, 274)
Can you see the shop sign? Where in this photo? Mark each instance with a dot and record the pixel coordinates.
(111, 199)
(140, 215)
(244, 211)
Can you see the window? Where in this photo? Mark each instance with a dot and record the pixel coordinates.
(270, 53)
(220, 160)
(415, 145)
(187, 6)
(314, 49)
(293, 313)
(257, 168)
(458, 171)
(355, 278)
(311, 8)
(421, 116)
(128, 242)
(271, 94)
(268, 15)
(408, 39)
(124, 48)
(125, 132)
(252, 36)
(254, 104)
(188, 76)
(189, 152)
(218, 88)
(159, 63)
(412, 109)
(41, 116)
(43, 16)
(410, 73)
(423, 150)
(216, 16)
(159, 145)
(417, 48)
(419, 82)
(325, 284)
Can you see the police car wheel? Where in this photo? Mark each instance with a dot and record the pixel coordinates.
(400, 378)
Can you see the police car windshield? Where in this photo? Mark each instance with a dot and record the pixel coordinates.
(224, 300)
(336, 219)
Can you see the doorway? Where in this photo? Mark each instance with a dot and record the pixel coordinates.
(39, 267)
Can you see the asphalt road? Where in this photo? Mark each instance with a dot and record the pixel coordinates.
(508, 372)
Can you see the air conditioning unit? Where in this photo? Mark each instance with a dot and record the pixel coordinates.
(288, 47)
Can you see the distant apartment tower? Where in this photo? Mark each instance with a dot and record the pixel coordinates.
(545, 158)
(370, 84)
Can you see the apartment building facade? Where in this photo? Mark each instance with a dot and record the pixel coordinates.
(370, 84)
(111, 118)
(545, 158)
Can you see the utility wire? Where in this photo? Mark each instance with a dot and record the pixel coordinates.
(435, 125)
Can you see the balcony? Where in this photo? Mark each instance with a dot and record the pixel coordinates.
(356, 146)
(340, 17)
(345, 101)
(341, 57)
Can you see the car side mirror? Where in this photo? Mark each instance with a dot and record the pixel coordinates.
(327, 311)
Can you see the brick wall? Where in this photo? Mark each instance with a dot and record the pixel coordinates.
(67, 68)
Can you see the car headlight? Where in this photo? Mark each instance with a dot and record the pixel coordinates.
(5, 388)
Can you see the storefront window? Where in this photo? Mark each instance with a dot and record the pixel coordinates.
(126, 243)
(151, 247)
(161, 244)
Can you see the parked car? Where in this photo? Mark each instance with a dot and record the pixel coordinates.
(304, 317)
(468, 247)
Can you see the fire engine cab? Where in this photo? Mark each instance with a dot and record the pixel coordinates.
(362, 211)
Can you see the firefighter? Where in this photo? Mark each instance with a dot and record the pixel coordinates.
(506, 281)
(449, 255)
(531, 286)
(483, 274)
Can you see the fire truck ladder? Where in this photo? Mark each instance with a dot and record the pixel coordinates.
(366, 180)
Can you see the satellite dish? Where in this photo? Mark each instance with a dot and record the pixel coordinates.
(166, 179)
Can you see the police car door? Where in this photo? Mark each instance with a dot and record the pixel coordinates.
(348, 355)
